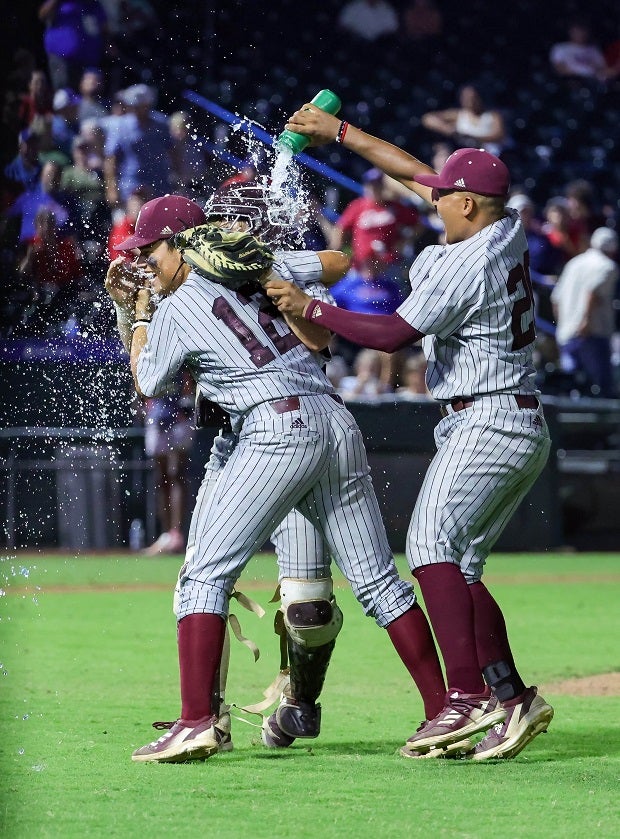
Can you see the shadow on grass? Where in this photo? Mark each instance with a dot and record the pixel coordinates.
(554, 746)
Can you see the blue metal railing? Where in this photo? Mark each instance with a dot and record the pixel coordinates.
(251, 128)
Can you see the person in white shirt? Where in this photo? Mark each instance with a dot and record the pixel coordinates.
(583, 307)
(578, 57)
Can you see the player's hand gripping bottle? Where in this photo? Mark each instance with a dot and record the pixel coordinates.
(326, 100)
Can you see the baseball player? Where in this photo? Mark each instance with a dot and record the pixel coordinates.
(472, 306)
(299, 447)
(303, 561)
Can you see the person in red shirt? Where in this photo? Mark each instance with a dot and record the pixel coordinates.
(124, 224)
(376, 226)
(52, 268)
(37, 102)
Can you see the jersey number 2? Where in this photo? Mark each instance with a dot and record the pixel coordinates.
(520, 275)
(259, 353)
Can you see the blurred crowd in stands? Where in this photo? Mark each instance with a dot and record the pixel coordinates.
(96, 123)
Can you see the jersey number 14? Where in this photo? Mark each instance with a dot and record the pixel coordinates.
(267, 313)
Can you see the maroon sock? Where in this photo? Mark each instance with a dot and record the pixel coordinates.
(451, 613)
(413, 641)
(494, 653)
(200, 639)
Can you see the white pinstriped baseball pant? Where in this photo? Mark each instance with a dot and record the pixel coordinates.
(312, 459)
(488, 457)
(300, 550)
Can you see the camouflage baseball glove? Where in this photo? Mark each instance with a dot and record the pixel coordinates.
(230, 259)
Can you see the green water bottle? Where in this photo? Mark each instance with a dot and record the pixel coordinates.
(326, 100)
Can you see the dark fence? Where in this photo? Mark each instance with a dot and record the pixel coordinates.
(73, 473)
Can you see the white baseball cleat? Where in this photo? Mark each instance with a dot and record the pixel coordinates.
(524, 721)
(182, 743)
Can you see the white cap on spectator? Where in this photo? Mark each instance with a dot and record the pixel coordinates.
(137, 94)
(65, 97)
(604, 239)
(520, 202)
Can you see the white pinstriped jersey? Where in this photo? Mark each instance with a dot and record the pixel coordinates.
(473, 301)
(238, 349)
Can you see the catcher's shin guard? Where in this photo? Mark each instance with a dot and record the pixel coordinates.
(299, 715)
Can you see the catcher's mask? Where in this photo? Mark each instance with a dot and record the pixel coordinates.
(250, 202)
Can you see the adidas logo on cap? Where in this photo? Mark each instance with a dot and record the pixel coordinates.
(460, 183)
(166, 231)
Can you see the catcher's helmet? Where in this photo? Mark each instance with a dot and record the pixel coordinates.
(251, 202)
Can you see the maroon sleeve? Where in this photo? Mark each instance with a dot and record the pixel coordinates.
(387, 333)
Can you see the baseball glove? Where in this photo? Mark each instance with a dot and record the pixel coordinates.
(230, 259)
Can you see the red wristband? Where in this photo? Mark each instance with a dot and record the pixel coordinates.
(342, 130)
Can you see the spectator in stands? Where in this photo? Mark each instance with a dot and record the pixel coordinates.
(24, 171)
(557, 227)
(85, 184)
(376, 227)
(422, 22)
(124, 222)
(472, 124)
(46, 193)
(37, 102)
(187, 175)
(168, 436)
(75, 38)
(92, 105)
(545, 258)
(51, 266)
(583, 306)
(94, 134)
(422, 19)
(138, 149)
(414, 379)
(371, 375)
(578, 58)
(583, 216)
(370, 20)
(65, 122)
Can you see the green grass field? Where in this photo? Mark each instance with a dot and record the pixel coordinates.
(88, 661)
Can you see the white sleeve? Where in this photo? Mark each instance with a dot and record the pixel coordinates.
(163, 354)
(299, 267)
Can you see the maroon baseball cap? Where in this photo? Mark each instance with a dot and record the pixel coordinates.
(471, 170)
(161, 218)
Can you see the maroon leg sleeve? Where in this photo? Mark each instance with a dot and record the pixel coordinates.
(413, 641)
(451, 613)
(493, 648)
(491, 635)
(201, 640)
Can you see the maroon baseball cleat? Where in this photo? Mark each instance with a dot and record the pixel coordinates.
(463, 714)
(272, 735)
(524, 721)
(183, 743)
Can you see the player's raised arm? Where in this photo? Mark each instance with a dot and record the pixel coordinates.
(324, 128)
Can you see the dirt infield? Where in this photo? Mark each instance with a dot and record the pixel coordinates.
(603, 684)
